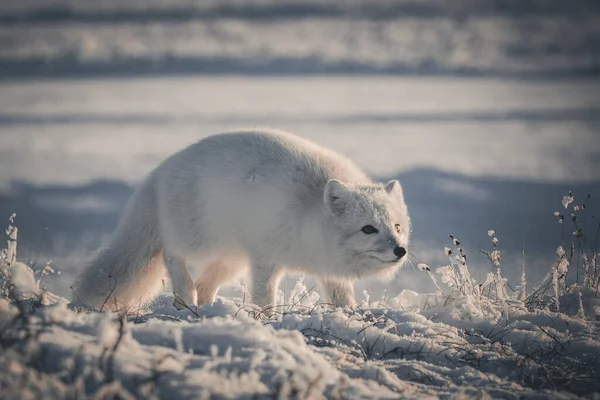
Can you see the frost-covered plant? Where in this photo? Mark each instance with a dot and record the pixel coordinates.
(499, 281)
(302, 296)
(300, 299)
(467, 298)
(523, 287)
(19, 283)
(8, 257)
(578, 255)
(584, 245)
(555, 281)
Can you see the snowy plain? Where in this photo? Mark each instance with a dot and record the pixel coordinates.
(487, 112)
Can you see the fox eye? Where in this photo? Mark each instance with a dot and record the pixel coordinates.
(369, 229)
(397, 227)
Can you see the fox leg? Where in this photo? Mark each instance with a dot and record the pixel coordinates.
(183, 286)
(265, 281)
(213, 276)
(339, 292)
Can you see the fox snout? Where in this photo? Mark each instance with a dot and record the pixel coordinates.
(399, 252)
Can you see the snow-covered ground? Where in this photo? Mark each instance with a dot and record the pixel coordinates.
(458, 342)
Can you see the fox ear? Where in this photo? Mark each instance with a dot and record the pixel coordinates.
(335, 195)
(394, 189)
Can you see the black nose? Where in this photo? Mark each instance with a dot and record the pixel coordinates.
(400, 252)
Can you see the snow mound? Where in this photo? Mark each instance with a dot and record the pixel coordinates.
(225, 351)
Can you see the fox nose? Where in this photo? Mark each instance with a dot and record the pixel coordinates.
(400, 252)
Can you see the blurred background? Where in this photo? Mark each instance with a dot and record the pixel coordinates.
(486, 110)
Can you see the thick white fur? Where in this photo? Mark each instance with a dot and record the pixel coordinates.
(260, 199)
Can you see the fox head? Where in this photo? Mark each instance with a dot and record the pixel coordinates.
(371, 226)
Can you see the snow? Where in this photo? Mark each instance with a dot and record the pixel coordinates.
(22, 277)
(373, 353)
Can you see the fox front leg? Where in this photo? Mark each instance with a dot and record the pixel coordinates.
(183, 286)
(265, 281)
(339, 292)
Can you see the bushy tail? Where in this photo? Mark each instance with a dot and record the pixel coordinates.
(129, 273)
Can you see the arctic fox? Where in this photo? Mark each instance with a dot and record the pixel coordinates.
(262, 200)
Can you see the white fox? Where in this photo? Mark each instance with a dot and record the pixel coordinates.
(262, 200)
